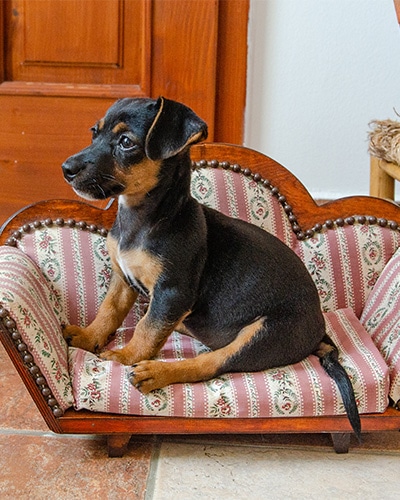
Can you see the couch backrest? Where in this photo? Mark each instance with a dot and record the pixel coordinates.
(76, 265)
(344, 258)
(77, 268)
(346, 261)
(242, 197)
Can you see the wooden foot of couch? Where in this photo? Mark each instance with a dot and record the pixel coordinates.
(341, 441)
(117, 444)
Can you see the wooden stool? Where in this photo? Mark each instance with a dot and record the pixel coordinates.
(382, 177)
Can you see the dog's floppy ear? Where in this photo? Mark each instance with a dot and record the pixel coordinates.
(175, 127)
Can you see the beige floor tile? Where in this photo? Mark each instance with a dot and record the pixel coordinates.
(378, 441)
(195, 471)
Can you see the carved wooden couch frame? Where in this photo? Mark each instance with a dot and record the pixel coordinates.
(303, 221)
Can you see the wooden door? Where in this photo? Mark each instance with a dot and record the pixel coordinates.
(64, 62)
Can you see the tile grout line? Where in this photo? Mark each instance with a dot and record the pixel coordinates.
(47, 434)
(154, 463)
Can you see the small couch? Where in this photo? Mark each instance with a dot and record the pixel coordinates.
(54, 269)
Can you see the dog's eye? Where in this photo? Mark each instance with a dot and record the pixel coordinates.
(95, 132)
(126, 142)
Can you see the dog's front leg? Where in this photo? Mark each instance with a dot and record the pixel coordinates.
(149, 337)
(167, 309)
(116, 305)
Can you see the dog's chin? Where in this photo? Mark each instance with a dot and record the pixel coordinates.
(97, 194)
(86, 196)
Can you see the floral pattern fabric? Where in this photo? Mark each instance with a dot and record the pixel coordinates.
(381, 319)
(76, 266)
(31, 303)
(302, 389)
(242, 198)
(346, 262)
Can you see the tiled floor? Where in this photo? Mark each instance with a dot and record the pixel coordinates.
(37, 464)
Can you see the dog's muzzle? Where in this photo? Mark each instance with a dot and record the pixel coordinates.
(72, 168)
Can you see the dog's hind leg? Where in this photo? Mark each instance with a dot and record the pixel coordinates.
(152, 374)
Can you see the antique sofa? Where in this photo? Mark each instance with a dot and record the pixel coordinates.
(54, 269)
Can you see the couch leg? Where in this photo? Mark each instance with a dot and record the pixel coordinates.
(117, 444)
(341, 441)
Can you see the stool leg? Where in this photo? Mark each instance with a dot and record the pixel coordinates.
(381, 184)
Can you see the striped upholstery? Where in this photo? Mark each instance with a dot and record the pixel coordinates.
(241, 197)
(302, 389)
(381, 319)
(35, 308)
(344, 262)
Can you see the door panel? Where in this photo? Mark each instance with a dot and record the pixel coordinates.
(70, 42)
(64, 62)
(78, 46)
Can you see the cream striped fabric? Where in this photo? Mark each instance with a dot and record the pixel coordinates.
(297, 390)
(381, 319)
(35, 308)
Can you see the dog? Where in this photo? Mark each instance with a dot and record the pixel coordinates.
(233, 286)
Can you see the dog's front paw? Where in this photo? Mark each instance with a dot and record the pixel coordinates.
(147, 376)
(76, 336)
(122, 356)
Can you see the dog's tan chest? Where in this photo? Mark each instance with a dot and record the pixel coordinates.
(140, 266)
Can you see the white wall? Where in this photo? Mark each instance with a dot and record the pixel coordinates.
(319, 71)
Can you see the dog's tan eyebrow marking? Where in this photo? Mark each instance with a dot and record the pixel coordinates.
(100, 124)
(120, 127)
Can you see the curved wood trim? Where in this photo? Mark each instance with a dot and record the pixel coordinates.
(307, 211)
(307, 216)
(59, 212)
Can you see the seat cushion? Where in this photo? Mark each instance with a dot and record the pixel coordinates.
(302, 389)
(381, 318)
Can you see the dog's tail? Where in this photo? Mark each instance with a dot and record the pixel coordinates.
(329, 359)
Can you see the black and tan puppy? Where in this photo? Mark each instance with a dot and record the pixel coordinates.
(233, 286)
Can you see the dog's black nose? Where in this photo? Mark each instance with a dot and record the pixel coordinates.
(71, 169)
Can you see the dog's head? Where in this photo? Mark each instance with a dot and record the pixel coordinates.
(129, 146)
